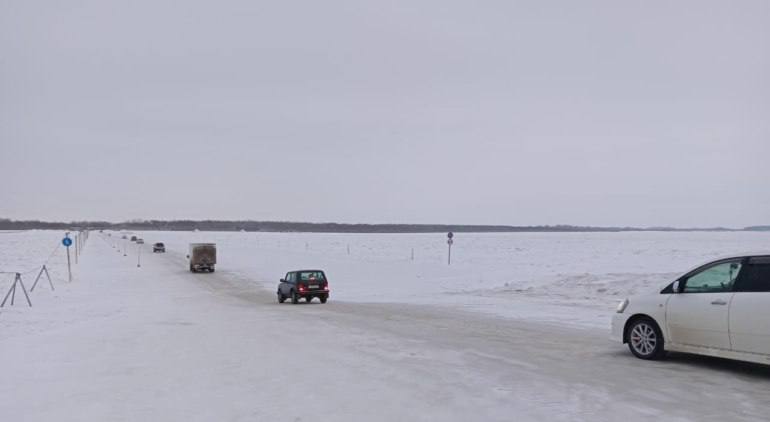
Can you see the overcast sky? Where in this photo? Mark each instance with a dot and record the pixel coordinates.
(487, 112)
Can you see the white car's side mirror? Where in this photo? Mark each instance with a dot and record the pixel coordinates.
(675, 286)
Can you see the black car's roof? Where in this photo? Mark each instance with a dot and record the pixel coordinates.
(306, 271)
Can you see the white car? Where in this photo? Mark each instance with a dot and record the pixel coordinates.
(718, 309)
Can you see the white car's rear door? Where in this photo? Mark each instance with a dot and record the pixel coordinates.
(750, 308)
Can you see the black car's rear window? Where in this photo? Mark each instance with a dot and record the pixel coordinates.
(311, 276)
(159, 244)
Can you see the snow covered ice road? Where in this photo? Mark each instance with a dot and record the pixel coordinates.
(160, 343)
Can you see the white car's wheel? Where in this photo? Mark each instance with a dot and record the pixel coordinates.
(645, 339)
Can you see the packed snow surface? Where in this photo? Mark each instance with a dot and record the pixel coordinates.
(514, 329)
(573, 278)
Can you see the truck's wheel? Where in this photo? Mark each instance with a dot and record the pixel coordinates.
(294, 297)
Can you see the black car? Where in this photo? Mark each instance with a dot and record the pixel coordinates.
(305, 284)
(159, 247)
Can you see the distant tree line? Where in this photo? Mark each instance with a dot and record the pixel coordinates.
(287, 226)
(758, 228)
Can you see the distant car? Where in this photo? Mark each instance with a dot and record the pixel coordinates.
(159, 247)
(718, 309)
(140, 241)
(124, 237)
(303, 284)
(133, 238)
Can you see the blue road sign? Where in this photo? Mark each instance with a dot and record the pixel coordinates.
(66, 242)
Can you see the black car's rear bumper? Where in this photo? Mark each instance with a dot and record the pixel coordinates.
(314, 293)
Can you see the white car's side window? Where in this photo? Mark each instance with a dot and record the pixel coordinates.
(715, 279)
(756, 276)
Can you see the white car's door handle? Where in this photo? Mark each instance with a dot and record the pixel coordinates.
(719, 302)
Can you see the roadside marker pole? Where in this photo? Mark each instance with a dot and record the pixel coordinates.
(139, 256)
(449, 242)
(42, 270)
(12, 291)
(77, 242)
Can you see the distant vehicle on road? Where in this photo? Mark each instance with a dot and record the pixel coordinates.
(202, 257)
(718, 309)
(159, 247)
(305, 284)
(140, 241)
(133, 238)
(124, 237)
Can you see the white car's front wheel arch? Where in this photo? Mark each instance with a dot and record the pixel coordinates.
(644, 337)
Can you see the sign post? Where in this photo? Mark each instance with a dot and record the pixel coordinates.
(449, 243)
(139, 256)
(67, 242)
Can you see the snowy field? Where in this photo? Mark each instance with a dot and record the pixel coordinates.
(26, 251)
(514, 329)
(570, 278)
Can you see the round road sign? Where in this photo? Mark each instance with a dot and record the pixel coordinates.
(450, 235)
(66, 242)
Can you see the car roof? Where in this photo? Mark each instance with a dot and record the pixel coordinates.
(743, 255)
(727, 258)
(307, 271)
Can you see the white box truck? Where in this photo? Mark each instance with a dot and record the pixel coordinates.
(202, 257)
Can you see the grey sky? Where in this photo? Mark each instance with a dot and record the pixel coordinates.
(489, 112)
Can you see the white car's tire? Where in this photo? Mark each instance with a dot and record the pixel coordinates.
(645, 340)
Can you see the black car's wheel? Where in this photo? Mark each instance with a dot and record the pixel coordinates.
(294, 297)
(281, 297)
(645, 339)
(323, 299)
(211, 269)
